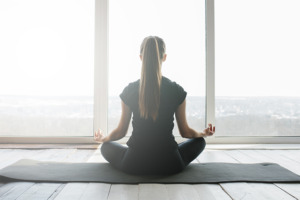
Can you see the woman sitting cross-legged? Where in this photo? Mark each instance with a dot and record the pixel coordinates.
(152, 102)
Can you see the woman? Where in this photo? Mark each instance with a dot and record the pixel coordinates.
(152, 100)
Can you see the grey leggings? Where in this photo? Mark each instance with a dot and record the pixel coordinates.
(152, 162)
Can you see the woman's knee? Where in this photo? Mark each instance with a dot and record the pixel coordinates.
(113, 152)
(201, 143)
(105, 148)
(198, 145)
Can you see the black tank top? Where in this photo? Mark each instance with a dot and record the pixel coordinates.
(148, 134)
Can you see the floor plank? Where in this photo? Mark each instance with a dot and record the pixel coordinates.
(265, 191)
(15, 155)
(57, 154)
(96, 191)
(124, 192)
(153, 191)
(245, 190)
(97, 157)
(274, 156)
(79, 156)
(57, 191)
(292, 188)
(14, 190)
(3, 153)
(250, 191)
(206, 189)
(34, 191)
(52, 154)
(85, 190)
(182, 192)
(215, 156)
(211, 192)
(74, 191)
(293, 155)
(40, 191)
(47, 190)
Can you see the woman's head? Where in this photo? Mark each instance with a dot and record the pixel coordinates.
(152, 53)
(160, 43)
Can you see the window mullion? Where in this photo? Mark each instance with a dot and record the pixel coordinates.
(101, 66)
(210, 62)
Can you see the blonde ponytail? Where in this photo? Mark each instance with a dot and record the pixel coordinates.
(149, 91)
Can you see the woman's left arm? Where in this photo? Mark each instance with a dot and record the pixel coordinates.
(120, 131)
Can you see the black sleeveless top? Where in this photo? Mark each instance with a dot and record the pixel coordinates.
(148, 134)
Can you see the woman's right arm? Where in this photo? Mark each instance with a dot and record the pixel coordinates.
(184, 129)
(120, 131)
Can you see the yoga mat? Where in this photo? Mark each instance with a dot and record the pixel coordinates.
(213, 172)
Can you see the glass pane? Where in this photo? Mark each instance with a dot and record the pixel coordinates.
(257, 62)
(182, 26)
(47, 64)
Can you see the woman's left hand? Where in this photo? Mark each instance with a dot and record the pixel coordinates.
(98, 136)
(209, 131)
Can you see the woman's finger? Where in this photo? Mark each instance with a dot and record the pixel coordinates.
(209, 127)
(206, 130)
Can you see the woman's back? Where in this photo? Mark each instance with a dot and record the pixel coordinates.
(149, 132)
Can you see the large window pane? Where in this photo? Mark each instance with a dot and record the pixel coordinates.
(182, 25)
(47, 63)
(257, 67)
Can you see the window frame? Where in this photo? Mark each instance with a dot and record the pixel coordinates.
(101, 88)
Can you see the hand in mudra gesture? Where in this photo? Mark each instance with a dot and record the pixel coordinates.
(99, 136)
(209, 131)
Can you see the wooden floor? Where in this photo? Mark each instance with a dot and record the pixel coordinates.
(288, 158)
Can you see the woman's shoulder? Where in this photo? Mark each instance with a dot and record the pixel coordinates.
(171, 84)
(173, 90)
(130, 92)
(131, 88)
(134, 84)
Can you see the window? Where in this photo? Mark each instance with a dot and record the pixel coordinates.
(257, 61)
(182, 26)
(47, 67)
(64, 63)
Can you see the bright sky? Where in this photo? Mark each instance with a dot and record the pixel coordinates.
(45, 51)
(47, 47)
(257, 47)
(181, 25)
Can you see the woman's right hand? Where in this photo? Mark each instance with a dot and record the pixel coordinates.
(209, 131)
(98, 136)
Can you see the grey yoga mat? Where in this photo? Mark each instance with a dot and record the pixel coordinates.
(214, 172)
